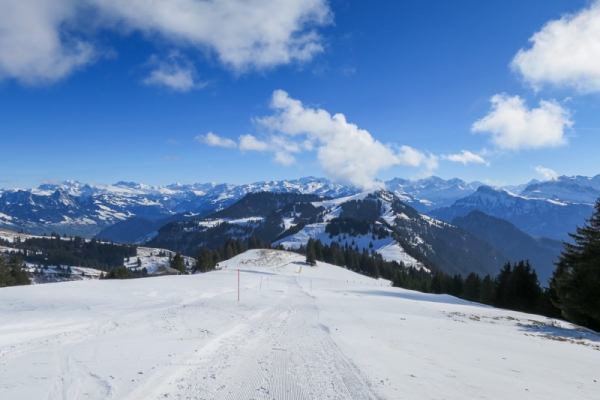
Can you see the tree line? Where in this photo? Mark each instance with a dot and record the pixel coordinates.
(516, 287)
(75, 251)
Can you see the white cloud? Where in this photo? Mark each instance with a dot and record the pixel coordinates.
(565, 52)
(283, 158)
(176, 72)
(280, 146)
(465, 157)
(243, 33)
(250, 143)
(415, 158)
(513, 126)
(211, 139)
(41, 40)
(36, 43)
(344, 151)
(547, 173)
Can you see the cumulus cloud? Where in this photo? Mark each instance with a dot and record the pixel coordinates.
(176, 73)
(465, 157)
(513, 126)
(213, 140)
(251, 143)
(565, 52)
(36, 43)
(42, 40)
(547, 173)
(344, 151)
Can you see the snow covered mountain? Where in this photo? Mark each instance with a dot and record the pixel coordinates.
(537, 217)
(377, 222)
(432, 192)
(575, 189)
(81, 209)
(135, 210)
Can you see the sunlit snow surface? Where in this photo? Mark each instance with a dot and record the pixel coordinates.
(296, 333)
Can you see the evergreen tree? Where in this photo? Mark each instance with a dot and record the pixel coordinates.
(525, 288)
(486, 291)
(576, 280)
(206, 261)
(178, 263)
(117, 273)
(12, 272)
(517, 288)
(319, 250)
(436, 283)
(239, 246)
(311, 255)
(229, 250)
(472, 287)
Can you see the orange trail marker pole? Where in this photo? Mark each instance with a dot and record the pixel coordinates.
(238, 285)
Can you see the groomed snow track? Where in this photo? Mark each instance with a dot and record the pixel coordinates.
(280, 352)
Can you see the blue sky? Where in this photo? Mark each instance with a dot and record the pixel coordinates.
(245, 90)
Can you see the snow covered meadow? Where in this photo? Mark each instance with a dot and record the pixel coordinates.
(296, 333)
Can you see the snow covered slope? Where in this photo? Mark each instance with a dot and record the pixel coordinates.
(296, 333)
(382, 223)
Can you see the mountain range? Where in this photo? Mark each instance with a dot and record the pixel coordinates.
(493, 224)
(134, 210)
(366, 222)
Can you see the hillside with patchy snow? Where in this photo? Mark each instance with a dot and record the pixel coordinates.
(297, 332)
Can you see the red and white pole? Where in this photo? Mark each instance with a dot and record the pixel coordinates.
(238, 285)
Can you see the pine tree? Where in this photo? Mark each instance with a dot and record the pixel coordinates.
(576, 280)
(486, 292)
(319, 250)
(518, 288)
(472, 287)
(12, 272)
(178, 263)
(205, 261)
(311, 256)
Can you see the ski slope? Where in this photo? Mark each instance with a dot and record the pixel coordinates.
(298, 332)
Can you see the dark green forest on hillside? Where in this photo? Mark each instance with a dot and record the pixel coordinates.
(58, 250)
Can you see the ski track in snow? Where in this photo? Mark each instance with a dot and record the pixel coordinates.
(280, 352)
